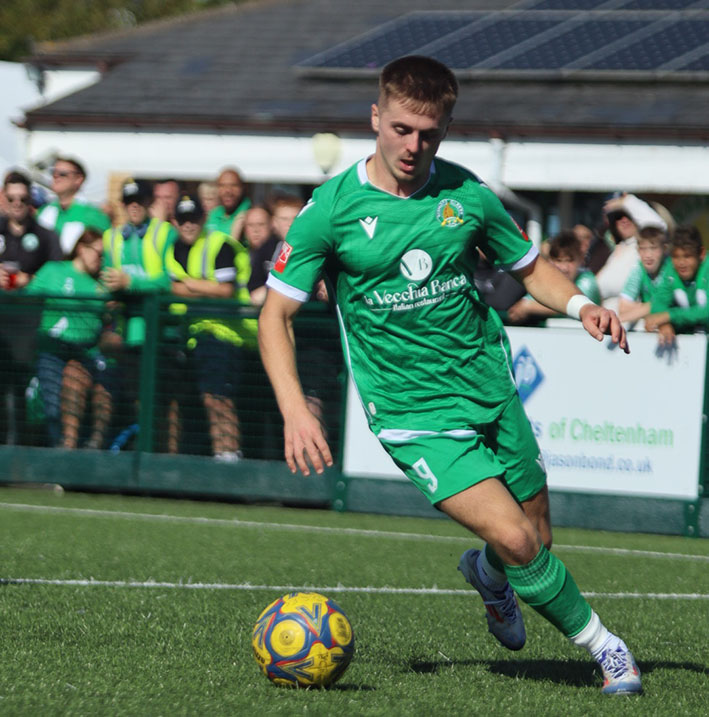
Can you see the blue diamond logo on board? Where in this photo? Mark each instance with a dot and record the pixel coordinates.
(528, 375)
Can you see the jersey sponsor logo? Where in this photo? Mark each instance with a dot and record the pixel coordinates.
(415, 296)
(369, 225)
(415, 265)
(450, 213)
(282, 260)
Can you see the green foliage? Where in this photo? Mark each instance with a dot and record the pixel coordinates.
(26, 23)
(104, 650)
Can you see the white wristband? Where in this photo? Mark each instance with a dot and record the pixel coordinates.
(576, 302)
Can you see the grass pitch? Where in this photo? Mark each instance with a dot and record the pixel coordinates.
(125, 606)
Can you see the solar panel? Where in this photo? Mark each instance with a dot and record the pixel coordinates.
(546, 38)
(652, 52)
(402, 37)
(475, 45)
(660, 5)
(567, 47)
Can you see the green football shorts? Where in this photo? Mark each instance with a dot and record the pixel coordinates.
(444, 463)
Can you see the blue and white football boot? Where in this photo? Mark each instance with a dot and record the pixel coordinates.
(504, 618)
(621, 675)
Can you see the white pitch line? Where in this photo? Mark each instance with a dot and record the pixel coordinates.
(90, 582)
(362, 532)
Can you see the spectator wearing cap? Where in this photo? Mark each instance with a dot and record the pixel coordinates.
(68, 215)
(229, 215)
(24, 245)
(626, 215)
(211, 264)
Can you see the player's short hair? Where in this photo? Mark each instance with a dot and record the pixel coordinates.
(15, 177)
(688, 238)
(653, 235)
(420, 82)
(565, 243)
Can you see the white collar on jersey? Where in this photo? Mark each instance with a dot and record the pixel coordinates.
(364, 178)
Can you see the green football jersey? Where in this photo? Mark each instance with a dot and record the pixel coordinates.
(73, 321)
(70, 223)
(218, 220)
(424, 351)
(586, 283)
(640, 286)
(685, 301)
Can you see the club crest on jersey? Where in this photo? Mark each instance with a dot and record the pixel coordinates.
(450, 213)
(282, 260)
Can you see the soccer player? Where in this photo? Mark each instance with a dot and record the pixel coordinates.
(397, 235)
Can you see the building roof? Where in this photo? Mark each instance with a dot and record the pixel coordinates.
(235, 69)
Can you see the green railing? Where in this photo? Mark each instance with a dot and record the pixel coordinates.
(157, 431)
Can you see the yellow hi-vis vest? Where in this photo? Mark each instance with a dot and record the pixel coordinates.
(153, 246)
(201, 261)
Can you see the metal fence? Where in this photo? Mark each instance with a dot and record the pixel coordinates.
(155, 375)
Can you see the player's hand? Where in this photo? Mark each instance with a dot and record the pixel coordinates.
(600, 322)
(305, 443)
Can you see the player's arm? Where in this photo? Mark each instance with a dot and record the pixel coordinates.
(304, 439)
(551, 288)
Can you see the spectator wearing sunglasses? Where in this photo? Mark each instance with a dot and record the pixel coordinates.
(24, 245)
(68, 215)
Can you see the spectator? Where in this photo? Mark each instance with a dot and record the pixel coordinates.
(134, 264)
(262, 243)
(166, 192)
(566, 254)
(69, 364)
(626, 216)
(595, 248)
(24, 245)
(208, 196)
(68, 215)
(285, 209)
(216, 344)
(680, 302)
(229, 215)
(648, 274)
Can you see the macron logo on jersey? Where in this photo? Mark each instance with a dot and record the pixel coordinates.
(282, 260)
(369, 225)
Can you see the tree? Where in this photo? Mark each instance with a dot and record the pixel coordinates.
(26, 23)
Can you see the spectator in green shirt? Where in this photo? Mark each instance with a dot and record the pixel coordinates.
(229, 215)
(566, 254)
(69, 364)
(68, 215)
(680, 303)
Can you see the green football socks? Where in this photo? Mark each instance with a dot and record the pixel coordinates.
(546, 585)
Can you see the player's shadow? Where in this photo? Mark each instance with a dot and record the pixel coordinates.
(576, 673)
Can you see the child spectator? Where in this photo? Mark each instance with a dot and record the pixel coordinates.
(648, 274)
(626, 216)
(680, 303)
(566, 254)
(69, 364)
